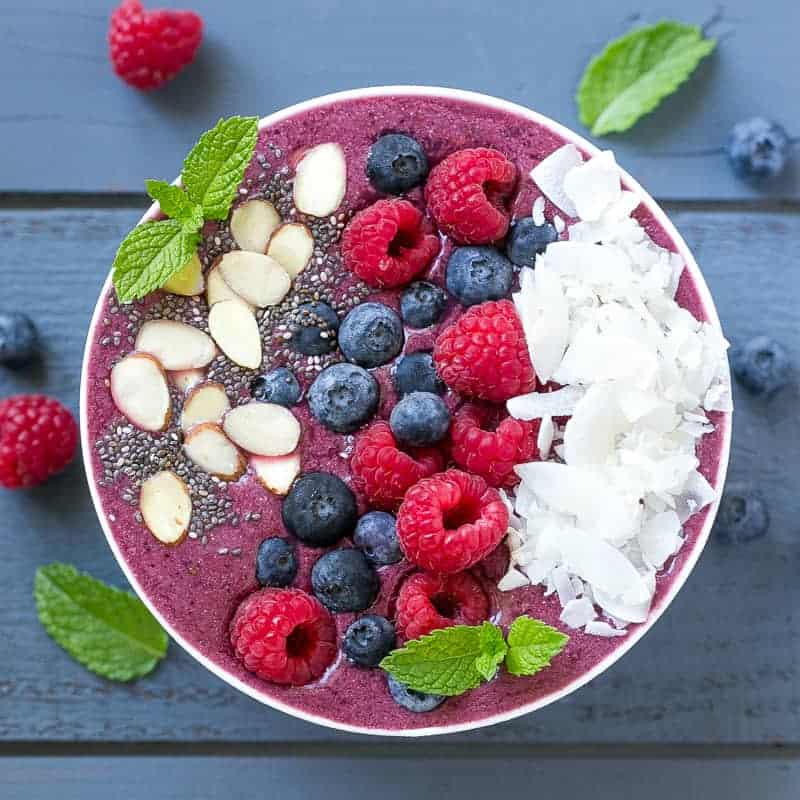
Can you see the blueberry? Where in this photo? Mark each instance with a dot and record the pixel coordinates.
(757, 148)
(369, 640)
(477, 274)
(416, 372)
(312, 329)
(376, 537)
(418, 702)
(420, 419)
(276, 563)
(422, 304)
(19, 342)
(343, 580)
(742, 515)
(371, 335)
(396, 163)
(279, 386)
(343, 397)
(761, 365)
(320, 509)
(526, 240)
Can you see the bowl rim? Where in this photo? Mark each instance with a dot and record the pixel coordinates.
(634, 636)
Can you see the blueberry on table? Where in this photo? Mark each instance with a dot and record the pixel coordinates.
(279, 386)
(758, 148)
(477, 274)
(343, 397)
(371, 335)
(320, 509)
(276, 562)
(369, 640)
(19, 342)
(343, 580)
(376, 537)
(422, 304)
(418, 702)
(420, 419)
(416, 372)
(526, 240)
(761, 365)
(742, 514)
(396, 163)
(312, 329)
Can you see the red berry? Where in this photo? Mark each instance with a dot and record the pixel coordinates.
(450, 521)
(428, 602)
(466, 192)
(492, 454)
(38, 438)
(284, 636)
(484, 353)
(388, 244)
(382, 472)
(150, 47)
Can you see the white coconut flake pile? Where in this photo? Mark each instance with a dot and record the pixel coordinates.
(595, 522)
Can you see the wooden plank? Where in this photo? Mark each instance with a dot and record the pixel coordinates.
(720, 667)
(73, 126)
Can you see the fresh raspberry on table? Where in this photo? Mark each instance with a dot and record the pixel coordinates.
(38, 438)
(382, 472)
(450, 521)
(484, 353)
(466, 194)
(429, 602)
(492, 451)
(388, 244)
(150, 47)
(284, 636)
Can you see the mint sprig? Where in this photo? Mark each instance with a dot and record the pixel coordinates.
(107, 630)
(636, 72)
(174, 201)
(531, 646)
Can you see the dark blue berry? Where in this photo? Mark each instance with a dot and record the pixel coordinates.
(761, 365)
(478, 274)
(757, 148)
(343, 397)
(396, 163)
(376, 537)
(416, 373)
(312, 329)
(371, 335)
(276, 562)
(320, 509)
(19, 342)
(420, 419)
(343, 580)
(369, 640)
(422, 304)
(742, 515)
(418, 702)
(526, 240)
(279, 386)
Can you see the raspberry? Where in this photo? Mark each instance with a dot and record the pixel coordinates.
(150, 47)
(465, 194)
(38, 438)
(428, 602)
(382, 472)
(450, 521)
(387, 244)
(492, 454)
(284, 636)
(484, 354)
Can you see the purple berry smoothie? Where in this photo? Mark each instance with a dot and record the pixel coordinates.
(196, 586)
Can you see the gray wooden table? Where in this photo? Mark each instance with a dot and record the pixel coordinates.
(709, 700)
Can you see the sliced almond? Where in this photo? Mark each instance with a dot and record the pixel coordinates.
(175, 344)
(292, 246)
(205, 403)
(166, 507)
(208, 446)
(140, 391)
(276, 473)
(216, 288)
(320, 180)
(263, 429)
(235, 330)
(189, 280)
(255, 277)
(252, 223)
(186, 379)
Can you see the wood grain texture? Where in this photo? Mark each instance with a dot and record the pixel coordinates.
(73, 126)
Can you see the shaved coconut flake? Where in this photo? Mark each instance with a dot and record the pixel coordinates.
(594, 186)
(549, 176)
(718, 397)
(578, 612)
(559, 224)
(560, 403)
(538, 211)
(600, 628)
(559, 577)
(513, 579)
(626, 612)
(538, 569)
(591, 435)
(544, 439)
(660, 537)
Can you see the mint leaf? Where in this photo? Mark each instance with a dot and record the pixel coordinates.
(174, 202)
(531, 645)
(493, 650)
(216, 165)
(109, 631)
(636, 72)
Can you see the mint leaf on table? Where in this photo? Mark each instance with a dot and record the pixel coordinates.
(216, 165)
(107, 630)
(531, 645)
(174, 202)
(636, 72)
